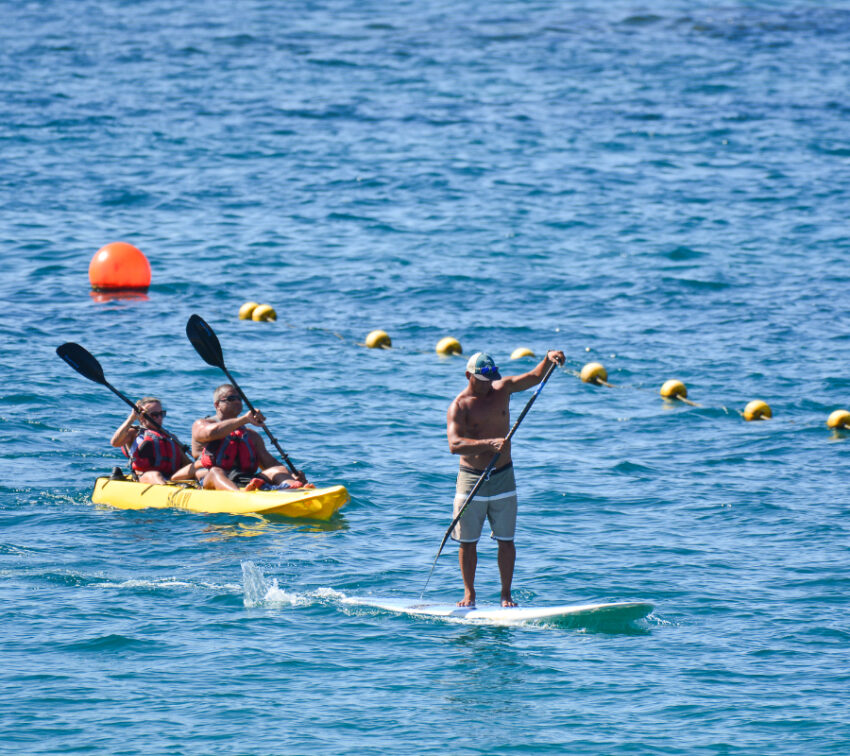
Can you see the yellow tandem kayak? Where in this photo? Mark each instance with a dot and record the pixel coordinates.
(314, 503)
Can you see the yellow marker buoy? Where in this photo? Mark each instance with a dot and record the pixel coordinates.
(839, 419)
(757, 410)
(448, 346)
(263, 312)
(247, 309)
(379, 340)
(593, 372)
(674, 389)
(518, 354)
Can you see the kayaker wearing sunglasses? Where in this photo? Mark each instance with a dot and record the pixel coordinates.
(226, 449)
(154, 456)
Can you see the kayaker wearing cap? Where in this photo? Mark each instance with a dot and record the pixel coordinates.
(225, 447)
(155, 457)
(477, 422)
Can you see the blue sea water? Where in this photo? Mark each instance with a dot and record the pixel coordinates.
(660, 187)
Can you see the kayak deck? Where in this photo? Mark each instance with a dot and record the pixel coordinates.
(313, 503)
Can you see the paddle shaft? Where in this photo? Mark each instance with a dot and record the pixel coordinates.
(486, 474)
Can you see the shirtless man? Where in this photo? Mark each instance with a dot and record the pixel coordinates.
(223, 444)
(477, 422)
(155, 457)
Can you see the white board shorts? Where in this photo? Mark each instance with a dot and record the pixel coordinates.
(496, 501)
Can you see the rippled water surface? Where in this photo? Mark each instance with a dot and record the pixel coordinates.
(661, 188)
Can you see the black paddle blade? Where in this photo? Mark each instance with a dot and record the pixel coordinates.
(82, 361)
(205, 341)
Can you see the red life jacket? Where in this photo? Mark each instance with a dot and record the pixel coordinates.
(235, 451)
(153, 450)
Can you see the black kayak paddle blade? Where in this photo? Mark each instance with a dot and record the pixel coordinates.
(82, 361)
(205, 341)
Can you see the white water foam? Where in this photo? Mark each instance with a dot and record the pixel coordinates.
(329, 594)
(254, 585)
(257, 590)
(164, 583)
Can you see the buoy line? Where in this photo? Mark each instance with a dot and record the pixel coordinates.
(592, 373)
(120, 266)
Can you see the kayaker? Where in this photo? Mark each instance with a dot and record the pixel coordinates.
(154, 456)
(226, 448)
(476, 424)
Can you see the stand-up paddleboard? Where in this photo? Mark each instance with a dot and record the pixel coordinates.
(576, 615)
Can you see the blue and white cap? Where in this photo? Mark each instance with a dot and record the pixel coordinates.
(482, 366)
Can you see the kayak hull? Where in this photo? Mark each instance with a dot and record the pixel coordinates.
(312, 503)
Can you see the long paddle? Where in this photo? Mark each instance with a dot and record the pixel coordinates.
(207, 345)
(85, 363)
(486, 474)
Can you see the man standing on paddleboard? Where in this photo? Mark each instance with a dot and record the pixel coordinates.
(477, 423)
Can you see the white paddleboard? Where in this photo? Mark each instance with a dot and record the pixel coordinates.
(574, 614)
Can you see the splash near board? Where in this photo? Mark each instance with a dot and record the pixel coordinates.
(576, 615)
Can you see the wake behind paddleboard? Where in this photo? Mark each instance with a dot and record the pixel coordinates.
(576, 614)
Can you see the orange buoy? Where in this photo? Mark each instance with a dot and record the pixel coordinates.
(119, 265)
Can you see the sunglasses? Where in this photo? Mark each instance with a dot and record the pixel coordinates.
(488, 370)
(231, 398)
(158, 414)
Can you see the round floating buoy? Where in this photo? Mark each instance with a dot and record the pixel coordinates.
(247, 310)
(593, 372)
(119, 265)
(379, 340)
(263, 313)
(839, 419)
(673, 389)
(521, 352)
(757, 410)
(448, 346)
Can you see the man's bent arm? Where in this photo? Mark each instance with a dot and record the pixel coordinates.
(204, 431)
(468, 447)
(264, 458)
(515, 383)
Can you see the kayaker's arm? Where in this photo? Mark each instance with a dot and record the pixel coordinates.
(126, 434)
(208, 429)
(264, 458)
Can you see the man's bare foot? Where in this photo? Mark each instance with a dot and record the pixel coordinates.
(254, 484)
(467, 600)
(508, 601)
